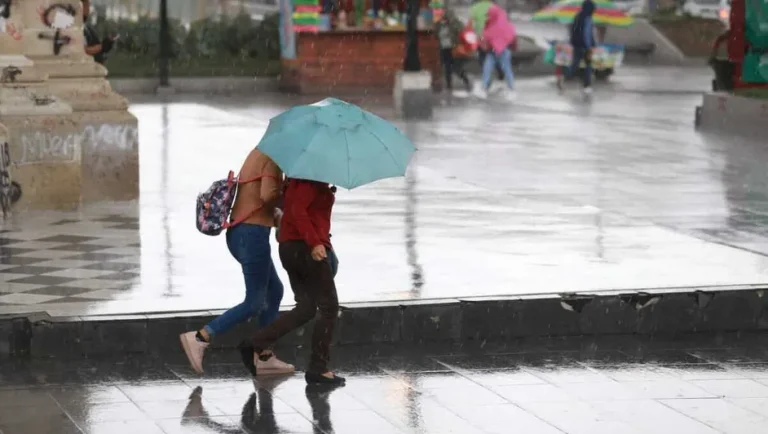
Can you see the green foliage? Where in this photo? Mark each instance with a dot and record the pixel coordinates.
(239, 38)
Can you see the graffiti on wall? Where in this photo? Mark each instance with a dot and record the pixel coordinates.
(108, 148)
(44, 146)
(110, 137)
(10, 192)
(49, 146)
(58, 17)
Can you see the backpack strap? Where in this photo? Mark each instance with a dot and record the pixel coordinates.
(232, 180)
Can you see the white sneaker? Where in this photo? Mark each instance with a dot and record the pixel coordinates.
(272, 366)
(587, 91)
(496, 87)
(194, 350)
(481, 93)
(460, 94)
(510, 95)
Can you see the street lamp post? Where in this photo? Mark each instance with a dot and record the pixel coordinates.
(412, 62)
(165, 42)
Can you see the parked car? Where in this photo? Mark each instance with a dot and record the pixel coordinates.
(714, 9)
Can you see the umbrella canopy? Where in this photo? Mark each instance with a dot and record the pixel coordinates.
(606, 13)
(336, 142)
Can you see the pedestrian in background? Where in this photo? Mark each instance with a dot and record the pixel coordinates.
(452, 55)
(98, 48)
(478, 15)
(583, 42)
(498, 37)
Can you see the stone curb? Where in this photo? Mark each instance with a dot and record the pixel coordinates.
(465, 320)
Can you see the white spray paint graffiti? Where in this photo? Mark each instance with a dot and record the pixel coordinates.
(110, 137)
(108, 148)
(40, 146)
(96, 141)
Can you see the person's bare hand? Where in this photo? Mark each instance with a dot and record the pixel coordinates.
(319, 253)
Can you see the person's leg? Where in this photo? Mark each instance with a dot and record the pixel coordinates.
(577, 56)
(273, 299)
(587, 79)
(267, 362)
(251, 246)
(462, 73)
(324, 294)
(446, 59)
(488, 67)
(294, 255)
(505, 62)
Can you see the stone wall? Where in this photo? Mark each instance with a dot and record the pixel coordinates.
(693, 36)
(71, 138)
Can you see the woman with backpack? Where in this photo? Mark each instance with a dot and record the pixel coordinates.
(253, 216)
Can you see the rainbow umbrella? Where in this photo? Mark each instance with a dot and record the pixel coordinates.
(606, 13)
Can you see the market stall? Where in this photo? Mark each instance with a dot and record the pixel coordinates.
(337, 46)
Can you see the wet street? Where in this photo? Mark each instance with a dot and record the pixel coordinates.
(701, 385)
(545, 195)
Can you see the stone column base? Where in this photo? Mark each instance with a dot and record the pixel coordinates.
(413, 95)
(721, 111)
(110, 155)
(45, 154)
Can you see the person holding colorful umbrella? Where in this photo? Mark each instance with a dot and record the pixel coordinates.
(583, 42)
(320, 146)
(603, 57)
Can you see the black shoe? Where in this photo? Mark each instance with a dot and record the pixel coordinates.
(246, 355)
(313, 378)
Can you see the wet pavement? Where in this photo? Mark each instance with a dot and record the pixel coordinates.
(546, 195)
(697, 385)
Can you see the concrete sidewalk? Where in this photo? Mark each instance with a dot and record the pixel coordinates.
(697, 385)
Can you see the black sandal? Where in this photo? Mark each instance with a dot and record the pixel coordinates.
(246, 355)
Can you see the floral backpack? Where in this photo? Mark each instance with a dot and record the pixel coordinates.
(215, 205)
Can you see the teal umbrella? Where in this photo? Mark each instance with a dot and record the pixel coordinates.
(336, 142)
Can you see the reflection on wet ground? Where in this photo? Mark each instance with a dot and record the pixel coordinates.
(547, 195)
(614, 385)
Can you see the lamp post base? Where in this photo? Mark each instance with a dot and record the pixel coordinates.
(413, 95)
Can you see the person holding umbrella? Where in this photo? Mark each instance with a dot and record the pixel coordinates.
(319, 146)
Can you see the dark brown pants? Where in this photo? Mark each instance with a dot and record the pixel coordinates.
(314, 292)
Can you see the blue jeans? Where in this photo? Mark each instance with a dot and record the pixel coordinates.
(503, 60)
(249, 244)
(579, 54)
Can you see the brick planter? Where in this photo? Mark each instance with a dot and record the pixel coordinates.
(354, 61)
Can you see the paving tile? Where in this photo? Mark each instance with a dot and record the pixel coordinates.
(577, 417)
(123, 427)
(734, 388)
(90, 394)
(42, 280)
(650, 416)
(500, 419)
(67, 239)
(533, 393)
(719, 414)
